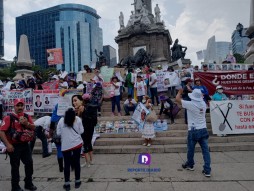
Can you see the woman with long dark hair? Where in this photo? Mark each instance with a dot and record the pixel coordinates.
(70, 128)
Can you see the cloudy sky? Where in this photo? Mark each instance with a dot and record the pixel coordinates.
(191, 21)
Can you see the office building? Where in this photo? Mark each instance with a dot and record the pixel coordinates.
(217, 51)
(1, 28)
(72, 27)
(110, 55)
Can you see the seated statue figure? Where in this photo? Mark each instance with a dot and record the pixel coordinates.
(178, 51)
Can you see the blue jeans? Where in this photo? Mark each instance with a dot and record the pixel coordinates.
(154, 93)
(131, 92)
(59, 151)
(201, 136)
(116, 102)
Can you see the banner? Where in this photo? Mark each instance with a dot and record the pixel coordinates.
(232, 117)
(44, 101)
(139, 114)
(107, 89)
(10, 95)
(55, 56)
(160, 80)
(64, 101)
(107, 73)
(52, 85)
(233, 82)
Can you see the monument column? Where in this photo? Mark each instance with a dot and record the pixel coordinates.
(249, 56)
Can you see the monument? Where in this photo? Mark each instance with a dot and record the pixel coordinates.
(24, 62)
(144, 31)
(249, 55)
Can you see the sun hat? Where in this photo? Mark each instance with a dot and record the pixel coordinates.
(196, 95)
(219, 87)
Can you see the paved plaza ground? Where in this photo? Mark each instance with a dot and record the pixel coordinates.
(231, 171)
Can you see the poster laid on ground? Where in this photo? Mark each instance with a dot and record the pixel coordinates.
(54, 56)
(139, 114)
(232, 116)
(11, 95)
(45, 100)
(64, 101)
(233, 82)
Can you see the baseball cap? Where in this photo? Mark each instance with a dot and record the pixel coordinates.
(19, 100)
(219, 87)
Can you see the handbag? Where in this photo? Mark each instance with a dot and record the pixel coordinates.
(152, 117)
(175, 110)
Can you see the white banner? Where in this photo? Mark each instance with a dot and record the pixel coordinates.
(232, 117)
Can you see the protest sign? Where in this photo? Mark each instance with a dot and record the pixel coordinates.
(233, 82)
(64, 101)
(107, 73)
(141, 108)
(10, 95)
(160, 80)
(52, 85)
(45, 100)
(232, 117)
(107, 89)
(87, 76)
(55, 56)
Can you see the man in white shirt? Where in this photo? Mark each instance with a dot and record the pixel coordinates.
(197, 130)
(41, 125)
(63, 84)
(140, 87)
(129, 105)
(153, 86)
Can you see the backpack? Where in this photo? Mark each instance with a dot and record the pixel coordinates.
(25, 135)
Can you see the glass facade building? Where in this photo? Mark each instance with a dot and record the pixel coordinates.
(72, 27)
(239, 44)
(1, 28)
(110, 55)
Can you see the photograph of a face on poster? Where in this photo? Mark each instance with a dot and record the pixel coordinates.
(224, 67)
(237, 67)
(211, 67)
(243, 67)
(218, 66)
(245, 97)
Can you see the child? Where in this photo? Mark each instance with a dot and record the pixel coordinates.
(148, 130)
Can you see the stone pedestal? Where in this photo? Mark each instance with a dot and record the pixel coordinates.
(23, 74)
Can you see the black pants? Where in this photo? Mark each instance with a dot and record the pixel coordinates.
(72, 157)
(88, 134)
(40, 134)
(154, 93)
(169, 113)
(21, 152)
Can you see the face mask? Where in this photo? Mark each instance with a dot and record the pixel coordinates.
(220, 91)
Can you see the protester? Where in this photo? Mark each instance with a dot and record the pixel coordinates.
(184, 75)
(63, 84)
(70, 129)
(148, 132)
(97, 96)
(204, 90)
(41, 128)
(186, 90)
(140, 88)
(129, 83)
(153, 86)
(205, 67)
(115, 99)
(129, 105)
(174, 81)
(72, 84)
(98, 77)
(18, 147)
(167, 108)
(1, 106)
(197, 129)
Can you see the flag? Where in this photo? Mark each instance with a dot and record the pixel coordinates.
(200, 55)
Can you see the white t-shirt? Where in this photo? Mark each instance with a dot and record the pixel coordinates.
(127, 102)
(196, 112)
(140, 88)
(97, 79)
(117, 90)
(64, 84)
(43, 121)
(153, 77)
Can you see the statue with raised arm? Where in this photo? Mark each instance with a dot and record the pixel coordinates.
(131, 20)
(157, 12)
(121, 20)
(101, 59)
(138, 5)
(178, 51)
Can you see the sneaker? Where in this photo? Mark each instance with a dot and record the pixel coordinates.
(30, 187)
(83, 165)
(144, 144)
(187, 167)
(67, 187)
(149, 145)
(91, 162)
(88, 165)
(77, 184)
(206, 174)
(17, 189)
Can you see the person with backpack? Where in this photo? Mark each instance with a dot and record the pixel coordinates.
(16, 131)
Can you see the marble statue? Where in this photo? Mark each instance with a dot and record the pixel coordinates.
(138, 4)
(131, 20)
(144, 15)
(121, 20)
(157, 12)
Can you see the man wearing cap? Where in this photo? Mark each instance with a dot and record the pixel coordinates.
(17, 150)
(167, 108)
(219, 95)
(197, 129)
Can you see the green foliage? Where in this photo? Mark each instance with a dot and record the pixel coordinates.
(239, 58)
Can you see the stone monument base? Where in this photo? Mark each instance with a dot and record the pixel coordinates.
(23, 74)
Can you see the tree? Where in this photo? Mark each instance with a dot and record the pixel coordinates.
(239, 58)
